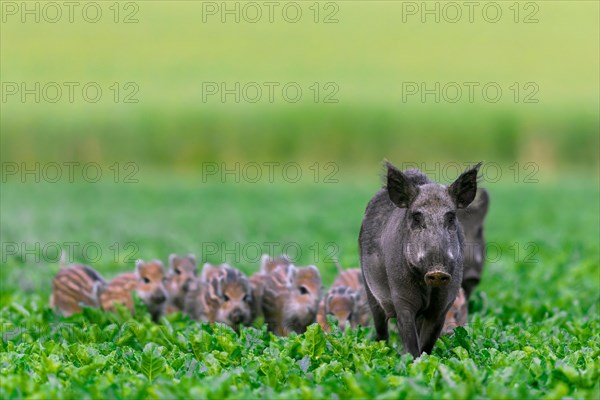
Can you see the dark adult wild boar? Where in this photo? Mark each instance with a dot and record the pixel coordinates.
(411, 253)
(471, 219)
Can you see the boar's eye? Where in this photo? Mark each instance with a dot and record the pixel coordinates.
(450, 220)
(303, 290)
(246, 299)
(146, 280)
(417, 220)
(225, 297)
(177, 271)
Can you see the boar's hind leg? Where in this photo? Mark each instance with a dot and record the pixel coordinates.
(430, 332)
(379, 318)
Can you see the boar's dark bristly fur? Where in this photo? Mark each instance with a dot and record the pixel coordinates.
(411, 249)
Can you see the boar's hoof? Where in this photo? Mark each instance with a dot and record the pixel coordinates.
(437, 278)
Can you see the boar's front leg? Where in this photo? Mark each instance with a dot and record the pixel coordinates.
(430, 331)
(407, 328)
(379, 317)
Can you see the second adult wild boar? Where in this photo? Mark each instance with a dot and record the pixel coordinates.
(411, 250)
(472, 218)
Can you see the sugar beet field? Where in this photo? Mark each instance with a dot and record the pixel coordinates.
(532, 330)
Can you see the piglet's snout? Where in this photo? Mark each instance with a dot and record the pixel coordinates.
(158, 297)
(236, 316)
(437, 278)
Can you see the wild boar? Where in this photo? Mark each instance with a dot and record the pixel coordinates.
(75, 286)
(341, 302)
(147, 281)
(353, 279)
(182, 272)
(346, 301)
(222, 294)
(291, 297)
(472, 218)
(457, 314)
(411, 252)
(268, 264)
(257, 280)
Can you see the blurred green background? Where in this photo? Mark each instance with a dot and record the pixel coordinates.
(367, 55)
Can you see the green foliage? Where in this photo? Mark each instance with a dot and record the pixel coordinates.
(532, 332)
(54, 357)
(153, 363)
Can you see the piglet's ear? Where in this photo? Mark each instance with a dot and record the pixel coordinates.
(216, 286)
(290, 274)
(159, 264)
(314, 268)
(173, 260)
(264, 260)
(138, 266)
(401, 189)
(192, 258)
(209, 272)
(464, 188)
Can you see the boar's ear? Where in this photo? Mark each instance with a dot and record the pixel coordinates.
(464, 188)
(481, 204)
(401, 189)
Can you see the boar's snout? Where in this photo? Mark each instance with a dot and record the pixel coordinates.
(437, 278)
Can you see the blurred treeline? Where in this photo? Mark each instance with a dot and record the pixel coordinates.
(175, 49)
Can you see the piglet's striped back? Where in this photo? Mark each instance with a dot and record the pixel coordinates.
(119, 290)
(76, 286)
